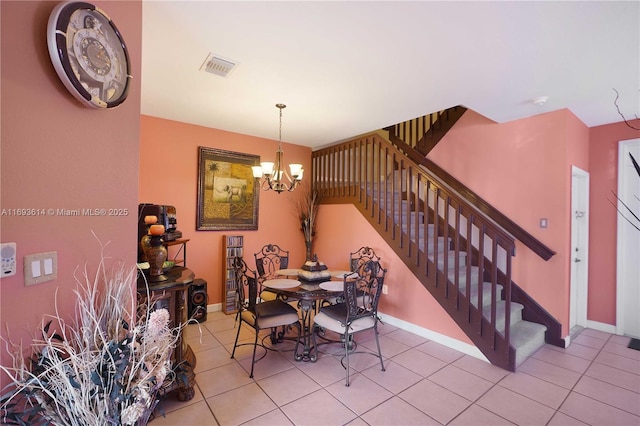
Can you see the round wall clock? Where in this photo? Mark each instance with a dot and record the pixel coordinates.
(89, 54)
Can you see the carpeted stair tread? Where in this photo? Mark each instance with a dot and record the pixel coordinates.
(462, 256)
(527, 337)
(486, 293)
(516, 314)
(442, 245)
(462, 274)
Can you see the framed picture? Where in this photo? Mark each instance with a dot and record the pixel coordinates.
(227, 195)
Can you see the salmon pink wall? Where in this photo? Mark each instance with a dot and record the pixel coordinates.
(603, 166)
(59, 154)
(342, 229)
(523, 168)
(169, 175)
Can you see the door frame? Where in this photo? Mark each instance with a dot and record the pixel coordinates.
(622, 262)
(579, 285)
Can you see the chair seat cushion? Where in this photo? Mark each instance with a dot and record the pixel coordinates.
(325, 320)
(336, 311)
(274, 307)
(275, 313)
(268, 295)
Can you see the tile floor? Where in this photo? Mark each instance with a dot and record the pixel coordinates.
(596, 381)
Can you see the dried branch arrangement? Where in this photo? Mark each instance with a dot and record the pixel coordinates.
(307, 209)
(104, 368)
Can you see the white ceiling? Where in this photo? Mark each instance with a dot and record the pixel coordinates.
(349, 67)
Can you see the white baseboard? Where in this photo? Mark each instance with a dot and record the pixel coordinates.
(450, 342)
(214, 307)
(601, 326)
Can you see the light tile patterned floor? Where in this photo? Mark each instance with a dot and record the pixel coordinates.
(596, 381)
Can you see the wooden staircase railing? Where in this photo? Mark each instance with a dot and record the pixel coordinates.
(514, 229)
(431, 235)
(424, 133)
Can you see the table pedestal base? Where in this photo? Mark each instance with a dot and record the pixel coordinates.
(307, 308)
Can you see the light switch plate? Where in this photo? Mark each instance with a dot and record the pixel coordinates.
(8, 253)
(40, 267)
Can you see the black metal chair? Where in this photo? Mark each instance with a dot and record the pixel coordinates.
(358, 312)
(270, 259)
(357, 259)
(259, 315)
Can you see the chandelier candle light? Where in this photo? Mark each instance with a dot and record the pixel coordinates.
(271, 174)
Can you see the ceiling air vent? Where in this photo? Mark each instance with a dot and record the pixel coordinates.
(216, 65)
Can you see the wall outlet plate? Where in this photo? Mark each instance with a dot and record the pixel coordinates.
(8, 252)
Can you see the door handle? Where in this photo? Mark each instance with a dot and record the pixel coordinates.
(577, 260)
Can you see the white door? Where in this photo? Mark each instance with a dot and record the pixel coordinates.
(628, 268)
(579, 247)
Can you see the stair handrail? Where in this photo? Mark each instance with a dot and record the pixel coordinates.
(528, 240)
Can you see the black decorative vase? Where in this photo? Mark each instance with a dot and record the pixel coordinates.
(309, 247)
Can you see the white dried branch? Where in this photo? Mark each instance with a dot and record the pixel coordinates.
(109, 341)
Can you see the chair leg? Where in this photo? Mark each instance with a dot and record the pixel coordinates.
(235, 345)
(253, 358)
(346, 353)
(375, 329)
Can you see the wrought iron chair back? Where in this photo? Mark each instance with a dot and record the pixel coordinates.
(246, 285)
(361, 257)
(362, 294)
(270, 259)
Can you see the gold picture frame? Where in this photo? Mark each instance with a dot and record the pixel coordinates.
(227, 195)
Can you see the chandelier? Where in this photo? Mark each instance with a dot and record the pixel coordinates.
(272, 174)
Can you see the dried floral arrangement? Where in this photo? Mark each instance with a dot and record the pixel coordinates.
(105, 368)
(307, 209)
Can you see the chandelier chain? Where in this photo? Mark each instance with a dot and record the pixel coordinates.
(280, 107)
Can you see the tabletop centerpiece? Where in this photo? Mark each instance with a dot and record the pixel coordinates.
(314, 270)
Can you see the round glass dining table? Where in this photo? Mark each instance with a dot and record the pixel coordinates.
(309, 294)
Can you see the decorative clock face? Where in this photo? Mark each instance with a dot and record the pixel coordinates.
(89, 54)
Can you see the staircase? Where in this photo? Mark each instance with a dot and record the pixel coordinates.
(459, 254)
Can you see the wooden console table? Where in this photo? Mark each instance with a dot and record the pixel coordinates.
(171, 294)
